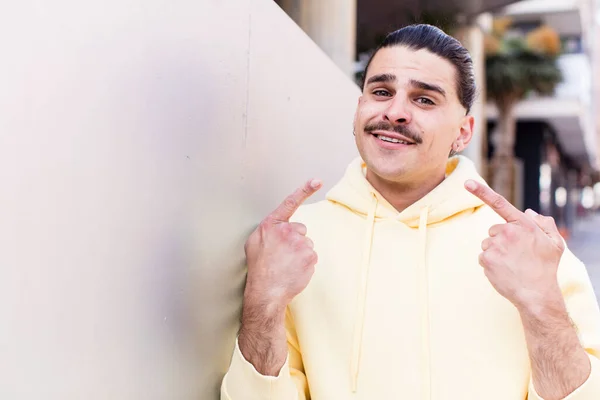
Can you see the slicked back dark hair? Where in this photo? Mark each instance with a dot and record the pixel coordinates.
(433, 39)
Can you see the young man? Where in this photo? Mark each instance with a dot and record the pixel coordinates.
(428, 285)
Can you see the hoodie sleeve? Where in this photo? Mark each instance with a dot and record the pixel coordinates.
(583, 309)
(243, 382)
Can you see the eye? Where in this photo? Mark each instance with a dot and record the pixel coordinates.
(381, 93)
(425, 101)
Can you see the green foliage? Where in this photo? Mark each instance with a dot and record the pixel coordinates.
(516, 72)
(514, 68)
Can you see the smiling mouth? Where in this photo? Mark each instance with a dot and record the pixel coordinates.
(392, 140)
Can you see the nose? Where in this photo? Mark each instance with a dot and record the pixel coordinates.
(397, 112)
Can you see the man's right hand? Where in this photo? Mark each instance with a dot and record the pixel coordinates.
(280, 257)
(281, 261)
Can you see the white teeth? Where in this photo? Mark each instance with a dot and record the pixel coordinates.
(392, 140)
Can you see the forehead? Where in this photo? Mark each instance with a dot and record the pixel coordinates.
(407, 64)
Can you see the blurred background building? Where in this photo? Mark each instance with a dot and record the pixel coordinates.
(557, 134)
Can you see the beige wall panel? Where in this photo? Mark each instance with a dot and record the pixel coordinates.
(140, 142)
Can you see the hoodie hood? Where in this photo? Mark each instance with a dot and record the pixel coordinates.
(446, 200)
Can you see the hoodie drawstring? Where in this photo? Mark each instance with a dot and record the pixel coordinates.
(424, 301)
(362, 294)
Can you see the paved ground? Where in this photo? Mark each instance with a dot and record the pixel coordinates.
(585, 244)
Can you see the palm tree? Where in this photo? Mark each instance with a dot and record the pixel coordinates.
(516, 66)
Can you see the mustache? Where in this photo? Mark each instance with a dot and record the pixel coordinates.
(400, 129)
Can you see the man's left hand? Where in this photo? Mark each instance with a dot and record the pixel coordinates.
(520, 257)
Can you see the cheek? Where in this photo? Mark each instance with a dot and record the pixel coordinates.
(437, 132)
(367, 111)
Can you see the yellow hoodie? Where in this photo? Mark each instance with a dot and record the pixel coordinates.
(399, 307)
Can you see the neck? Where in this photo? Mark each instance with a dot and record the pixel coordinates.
(401, 195)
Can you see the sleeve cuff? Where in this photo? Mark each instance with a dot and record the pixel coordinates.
(589, 390)
(243, 381)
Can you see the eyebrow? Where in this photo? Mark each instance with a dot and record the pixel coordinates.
(427, 86)
(381, 78)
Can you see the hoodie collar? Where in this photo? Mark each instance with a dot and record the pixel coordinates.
(444, 201)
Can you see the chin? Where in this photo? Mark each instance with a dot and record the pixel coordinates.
(386, 164)
(389, 170)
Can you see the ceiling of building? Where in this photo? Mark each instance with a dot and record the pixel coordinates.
(376, 18)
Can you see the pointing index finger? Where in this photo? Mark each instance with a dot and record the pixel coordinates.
(498, 203)
(285, 210)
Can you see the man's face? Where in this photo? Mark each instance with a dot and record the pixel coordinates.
(409, 96)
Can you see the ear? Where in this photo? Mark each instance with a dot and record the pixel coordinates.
(466, 133)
